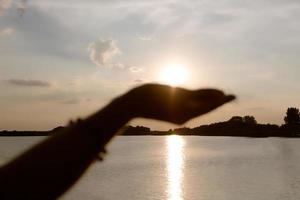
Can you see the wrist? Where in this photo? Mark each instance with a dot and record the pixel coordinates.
(112, 117)
(119, 110)
(102, 126)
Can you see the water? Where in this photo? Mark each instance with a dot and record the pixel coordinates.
(186, 168)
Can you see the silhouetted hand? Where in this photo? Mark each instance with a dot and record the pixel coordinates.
(176, 105)
(48, 169)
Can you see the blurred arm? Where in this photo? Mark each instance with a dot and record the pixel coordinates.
(50, 168)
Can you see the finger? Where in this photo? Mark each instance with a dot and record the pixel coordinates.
(229, 98)
(208, 94)
(203, 106)
(224, 100)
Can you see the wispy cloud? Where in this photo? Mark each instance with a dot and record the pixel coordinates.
(143, 38)
(135, 69)
(29, 83)
(71, 101)
(6, 31)
(119, 65)
(139, 81)
(102, 51)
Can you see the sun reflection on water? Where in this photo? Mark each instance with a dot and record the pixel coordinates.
(175, 165)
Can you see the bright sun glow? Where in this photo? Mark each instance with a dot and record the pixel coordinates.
(175, 165)
(174, 74)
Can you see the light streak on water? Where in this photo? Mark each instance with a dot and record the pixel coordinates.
(175, 166)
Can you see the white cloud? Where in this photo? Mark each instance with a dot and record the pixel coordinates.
(143, 38)
(135, 69)
(4, 5)
(139, 81)
(102, 51)
(6, 32)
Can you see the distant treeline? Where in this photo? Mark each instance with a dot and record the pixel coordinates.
(237, 126)
(31, 133)
(246, 126)
(233, 127)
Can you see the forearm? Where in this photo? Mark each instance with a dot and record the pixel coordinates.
(50, 168)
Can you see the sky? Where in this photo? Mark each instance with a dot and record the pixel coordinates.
(60, 60)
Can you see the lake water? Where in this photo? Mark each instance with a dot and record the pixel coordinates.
(185, 168)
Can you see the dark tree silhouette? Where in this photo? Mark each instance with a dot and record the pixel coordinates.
(236, 119)
(292, 116)
(249, 120)
(244, 120)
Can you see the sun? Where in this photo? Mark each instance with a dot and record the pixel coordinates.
(173, 74)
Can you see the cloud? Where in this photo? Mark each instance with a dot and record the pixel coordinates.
(71, 101)
(29, 83)
(138, 80)
(21, 6)
(143, 38)
(119, 65)
(40, 33)
(6, 32)
(135, 69)
(4, 5)
(102, 51)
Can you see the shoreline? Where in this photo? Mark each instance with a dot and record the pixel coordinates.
(231, 128)
(155, 135)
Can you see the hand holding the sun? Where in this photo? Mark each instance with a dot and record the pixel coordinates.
(176, 105)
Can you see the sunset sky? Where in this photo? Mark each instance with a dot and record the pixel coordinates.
(60, 60)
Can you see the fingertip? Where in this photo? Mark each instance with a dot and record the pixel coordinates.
(229, 98)
(209, 94)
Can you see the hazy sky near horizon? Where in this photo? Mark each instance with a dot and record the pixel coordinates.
(65, 59)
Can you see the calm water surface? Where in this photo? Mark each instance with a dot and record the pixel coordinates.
(185, 168)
